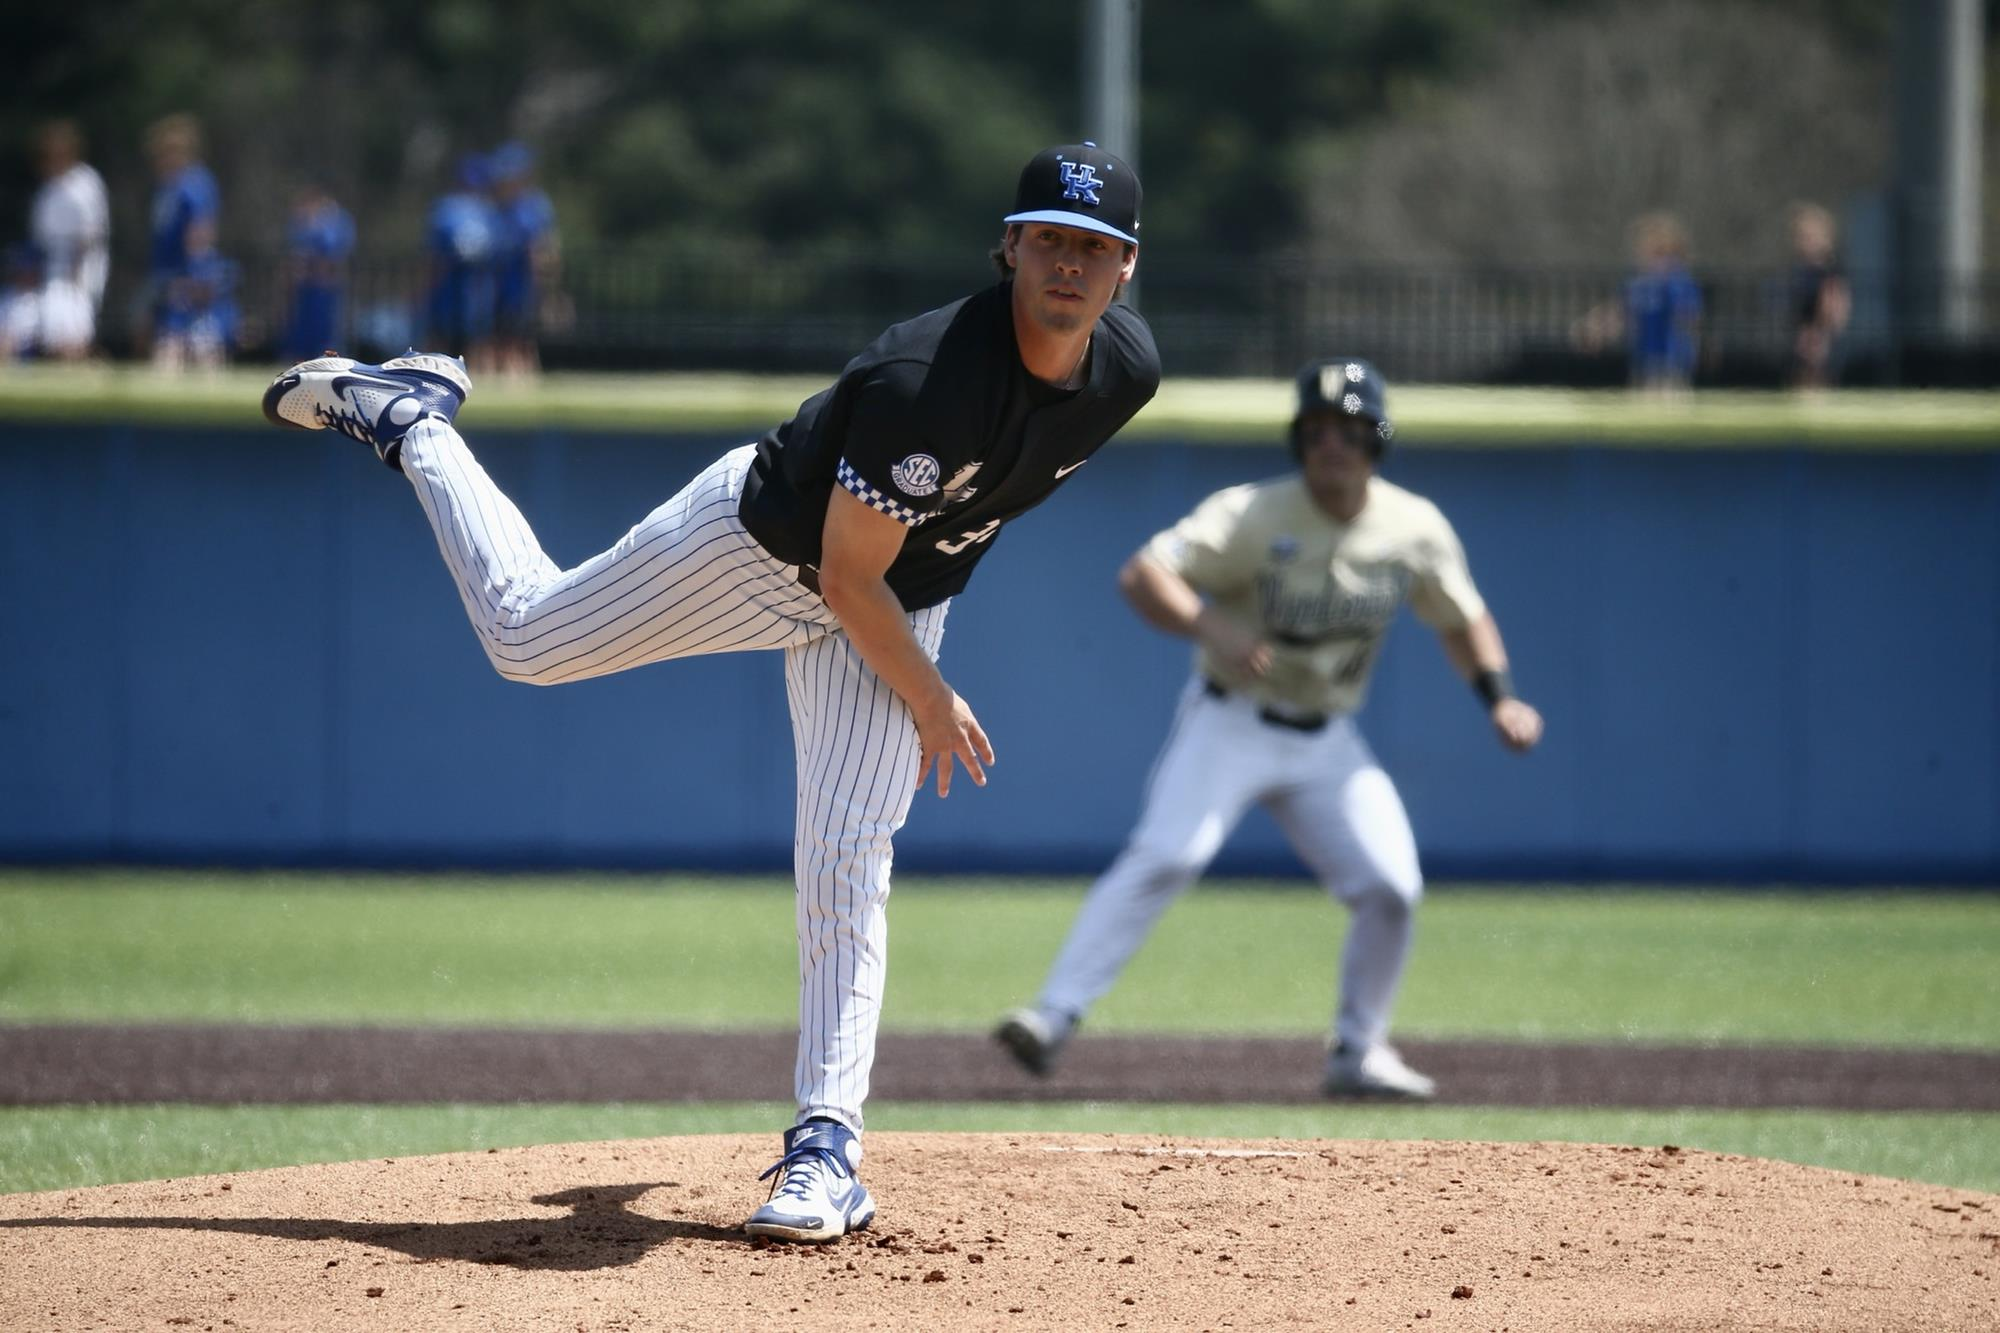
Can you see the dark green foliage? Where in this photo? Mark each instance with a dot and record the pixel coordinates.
(736, 125)
(741, 126)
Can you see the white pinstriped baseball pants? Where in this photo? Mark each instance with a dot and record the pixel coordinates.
(690, 580)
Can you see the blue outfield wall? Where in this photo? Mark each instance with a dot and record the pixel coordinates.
(1769, 665)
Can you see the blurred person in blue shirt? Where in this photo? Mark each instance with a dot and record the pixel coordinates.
(186, 206)
(462, 238)
(318, 242)
(1662, 306)
(198, 322)
(525, 258)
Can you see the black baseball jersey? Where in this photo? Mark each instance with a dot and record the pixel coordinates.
(939, 425)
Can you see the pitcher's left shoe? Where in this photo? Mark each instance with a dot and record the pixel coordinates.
(376, 405)
(817, 1195)
(1376, 1072)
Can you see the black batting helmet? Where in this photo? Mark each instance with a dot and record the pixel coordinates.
(1347, 385)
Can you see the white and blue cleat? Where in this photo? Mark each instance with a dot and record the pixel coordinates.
(376, 405)
(817, 1196)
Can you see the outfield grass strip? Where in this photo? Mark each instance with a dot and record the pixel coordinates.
(1603, 963)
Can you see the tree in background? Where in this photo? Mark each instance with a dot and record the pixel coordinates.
(1411, 130)
(1722, 112)
(738, 126)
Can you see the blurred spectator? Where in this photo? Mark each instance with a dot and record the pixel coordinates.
(317, 246)
(185, 208)
(1820, 298)
(21, 304)
(70, 224)
(198, 322)
(1660, 318)
(462, 239)
(526, 258)
(1662, 306)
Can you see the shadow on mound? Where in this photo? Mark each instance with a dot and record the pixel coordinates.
(1023, 1231)
(600, 1232)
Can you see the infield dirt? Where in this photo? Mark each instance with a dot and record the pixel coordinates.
(230, 1064)
(1011, 1231)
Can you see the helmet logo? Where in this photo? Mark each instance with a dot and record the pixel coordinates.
(1348, 388)
(1080, 181)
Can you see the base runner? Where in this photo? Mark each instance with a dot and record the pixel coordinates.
(1287, 588)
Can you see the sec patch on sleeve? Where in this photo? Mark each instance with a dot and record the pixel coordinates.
(917, 475)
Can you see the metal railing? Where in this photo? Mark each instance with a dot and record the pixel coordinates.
(628, 308)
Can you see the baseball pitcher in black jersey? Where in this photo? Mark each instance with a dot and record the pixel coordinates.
(840, 538)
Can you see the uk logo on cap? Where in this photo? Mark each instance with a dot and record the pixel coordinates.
(1079, 185)
(1080, 181)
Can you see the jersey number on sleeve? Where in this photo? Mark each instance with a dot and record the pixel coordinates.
(966, 539)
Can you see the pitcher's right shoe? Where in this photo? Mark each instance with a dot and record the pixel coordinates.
(817, 1195)
(376, 405)
(1034, 1037)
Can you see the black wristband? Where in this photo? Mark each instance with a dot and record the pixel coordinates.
(1493, 686)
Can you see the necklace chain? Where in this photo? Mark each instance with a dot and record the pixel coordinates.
(1070, 380)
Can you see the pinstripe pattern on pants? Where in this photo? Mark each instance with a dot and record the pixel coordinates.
(687, 580)
(690, 580)
(857, 750)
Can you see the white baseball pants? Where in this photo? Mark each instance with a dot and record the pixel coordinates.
(1335, 805)
(690, 580)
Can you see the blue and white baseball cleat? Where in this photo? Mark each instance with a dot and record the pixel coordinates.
(817, 1195)
(373, 404)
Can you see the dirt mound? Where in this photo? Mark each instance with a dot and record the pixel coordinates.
(1017, 1231)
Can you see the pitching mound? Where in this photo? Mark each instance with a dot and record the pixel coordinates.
(1017, 1232)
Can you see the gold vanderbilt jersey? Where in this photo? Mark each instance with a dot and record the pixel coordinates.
(1323, 592)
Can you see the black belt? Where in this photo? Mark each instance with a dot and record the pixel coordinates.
(1307, 722)
(809, 579)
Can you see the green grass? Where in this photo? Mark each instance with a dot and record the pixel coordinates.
(1843, 968)
(1219, 411)
(69, 1147)
(1607, 963)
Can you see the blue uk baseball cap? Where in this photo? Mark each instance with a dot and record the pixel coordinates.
(1079, 185)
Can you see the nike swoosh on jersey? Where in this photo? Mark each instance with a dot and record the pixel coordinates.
(1062, 472)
